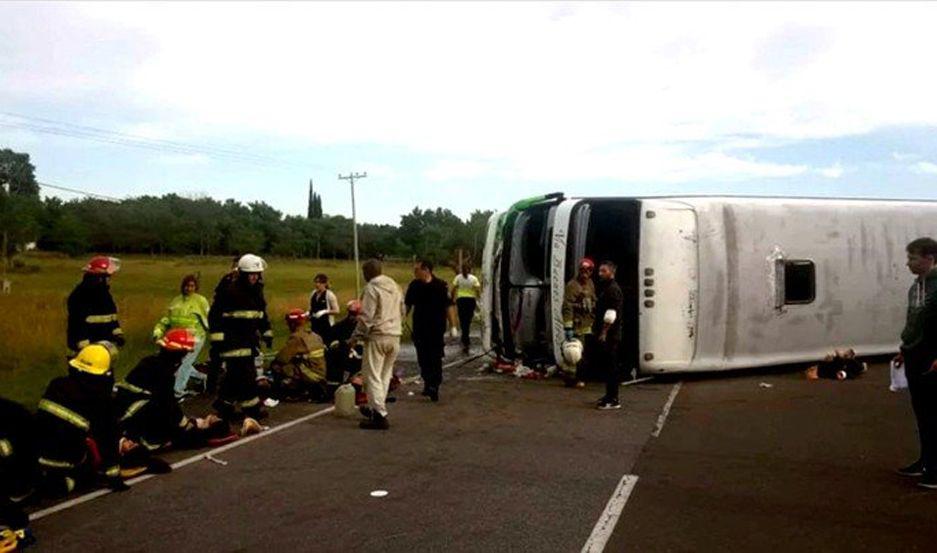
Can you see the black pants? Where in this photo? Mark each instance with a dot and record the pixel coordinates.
(923, 391)
(238, 389)
(604, 360)
(429, 354)
(466, 308)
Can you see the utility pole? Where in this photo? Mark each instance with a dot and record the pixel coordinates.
(354, 221)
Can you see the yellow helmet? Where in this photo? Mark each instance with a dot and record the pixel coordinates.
(93, 359)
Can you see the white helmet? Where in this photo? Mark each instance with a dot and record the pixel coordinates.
(572, 352)
(250, 263)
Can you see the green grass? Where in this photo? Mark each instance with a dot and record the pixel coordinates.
(32, 325)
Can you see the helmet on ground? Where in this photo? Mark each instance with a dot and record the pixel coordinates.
(94, 359)
(586, 263)
(296, 315)
(572, 352)
(178, 339)
(102, 265)
(354, 307)
(251, 263)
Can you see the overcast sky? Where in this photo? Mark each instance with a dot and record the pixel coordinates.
(475, 105)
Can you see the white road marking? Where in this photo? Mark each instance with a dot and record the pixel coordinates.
(177, 465)
(637, 381)
(606, 524)
(663, 414)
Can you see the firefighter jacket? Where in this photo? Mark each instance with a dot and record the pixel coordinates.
(148, 411)
(189, 312)
(579, 306)
(74, 408)
(18, 468)
(92, 314)
(238, 319)
(302, 358)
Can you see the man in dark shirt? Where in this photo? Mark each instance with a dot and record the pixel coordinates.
(607, 329)
(919, 356)
(428, 297)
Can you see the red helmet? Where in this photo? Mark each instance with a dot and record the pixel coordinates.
(296, 316)
(586, 263)
(102, 265)
(354, 307)
(178, 339)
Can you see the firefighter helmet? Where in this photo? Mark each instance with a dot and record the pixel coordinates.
(178, 339)
(251, 263)
(102, 265)
(354, 307)
(572, 352)
(297, 316)
(94, 359)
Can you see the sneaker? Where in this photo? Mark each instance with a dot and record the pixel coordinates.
(601, 401)
(928, 481)
(365, 411)
(609, 405)
(432, 394)
(377, 422)
(913, 470)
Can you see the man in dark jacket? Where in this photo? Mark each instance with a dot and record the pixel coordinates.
(428, 297)
(341, 357)
(76, 424)
(19, 471)
(149, 413)
(238, 322)
(92, 313)
(607, 330)
(919, 356)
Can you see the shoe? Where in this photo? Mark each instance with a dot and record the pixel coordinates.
(913, 470)
(433, 394)
(600, 401)
(377, 422)
(366, 411)
(609, 405)
(928, 481)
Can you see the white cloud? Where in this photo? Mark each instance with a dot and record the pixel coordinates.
(899, 156)
(925, 168)
(183, 159)
(834, 171)
(447, 169)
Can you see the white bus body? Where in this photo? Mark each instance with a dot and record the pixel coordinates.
(711, 283)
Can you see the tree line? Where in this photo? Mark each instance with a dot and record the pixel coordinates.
(177, 225)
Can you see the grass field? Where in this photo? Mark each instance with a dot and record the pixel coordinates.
(32, 326)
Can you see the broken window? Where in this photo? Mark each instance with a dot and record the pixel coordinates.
(800, 281)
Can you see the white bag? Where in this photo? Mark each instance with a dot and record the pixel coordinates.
(898, 379)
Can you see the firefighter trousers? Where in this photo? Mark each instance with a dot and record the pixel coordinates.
(238, 391)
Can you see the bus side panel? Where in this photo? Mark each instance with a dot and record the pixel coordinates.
(668, 268)
(558, 275)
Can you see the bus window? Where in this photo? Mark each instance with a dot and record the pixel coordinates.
(529, 248)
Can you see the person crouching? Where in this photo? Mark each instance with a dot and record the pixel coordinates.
(299, 369)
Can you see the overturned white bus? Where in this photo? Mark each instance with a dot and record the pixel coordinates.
(711, 283)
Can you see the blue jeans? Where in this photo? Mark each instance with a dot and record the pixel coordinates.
(187, 368)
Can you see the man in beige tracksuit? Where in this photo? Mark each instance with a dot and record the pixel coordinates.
(379, 326)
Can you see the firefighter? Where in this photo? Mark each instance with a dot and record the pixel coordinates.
(19, 472)
(150, 417)
(341, 358)
(214, 339)
(578, 315)
(76, 425)
(299, 369)
(238, 322)
(92, 313)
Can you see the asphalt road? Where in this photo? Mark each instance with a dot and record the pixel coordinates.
(503, 464)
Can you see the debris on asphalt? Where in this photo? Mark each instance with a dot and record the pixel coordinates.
(270, 402)
(838, 365)
(410, 394)
(217, 461)
(379, 493)
(765, 385)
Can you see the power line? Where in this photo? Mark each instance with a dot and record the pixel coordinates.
(71, 130)
(77, 191)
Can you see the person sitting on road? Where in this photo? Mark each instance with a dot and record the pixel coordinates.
(150, 417)
(76, 425)
(299, 369)
(342, 360)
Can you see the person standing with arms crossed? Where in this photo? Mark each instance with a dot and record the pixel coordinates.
(428, 297)
(918, 355)
(465, 292)
(379, 328)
